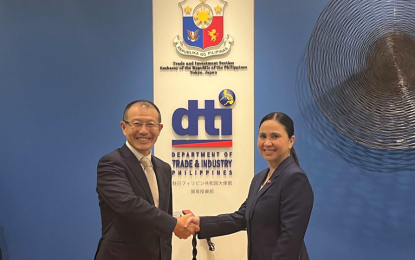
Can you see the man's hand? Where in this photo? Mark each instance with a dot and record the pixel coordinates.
(183, 232)
(192, 221)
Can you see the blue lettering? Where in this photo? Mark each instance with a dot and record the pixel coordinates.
(209, 112)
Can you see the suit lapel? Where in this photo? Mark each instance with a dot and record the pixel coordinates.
(254, 195)
(137, 171)
(267, 185)
(257, 184)
(257, 194)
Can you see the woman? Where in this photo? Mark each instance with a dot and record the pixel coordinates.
(279, 203)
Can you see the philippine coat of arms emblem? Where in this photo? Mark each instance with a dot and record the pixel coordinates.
(203, 33)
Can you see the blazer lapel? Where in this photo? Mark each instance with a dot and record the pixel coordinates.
(269, 183)
(137, 171)
(275, 175)
(254, 195)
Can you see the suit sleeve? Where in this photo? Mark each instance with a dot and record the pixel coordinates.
(115, 189)
(224, 224)
(295, 210)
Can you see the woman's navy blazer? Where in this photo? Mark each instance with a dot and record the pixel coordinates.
(275, 217)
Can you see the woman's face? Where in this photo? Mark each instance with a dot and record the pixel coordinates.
(273, 142)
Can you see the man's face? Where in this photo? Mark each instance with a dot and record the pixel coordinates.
(142, 137)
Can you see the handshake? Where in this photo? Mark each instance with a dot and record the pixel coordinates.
(187, 225)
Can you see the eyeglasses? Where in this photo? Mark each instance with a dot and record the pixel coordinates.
(139, 125)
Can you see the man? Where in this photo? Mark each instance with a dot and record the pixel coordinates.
(134, 191)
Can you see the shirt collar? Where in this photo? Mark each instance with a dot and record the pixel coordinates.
(137, 153)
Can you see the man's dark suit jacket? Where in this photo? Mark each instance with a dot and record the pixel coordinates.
(276, 217)
(132, 227)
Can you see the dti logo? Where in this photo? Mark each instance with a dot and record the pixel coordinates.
(193, 113)
(209, 112)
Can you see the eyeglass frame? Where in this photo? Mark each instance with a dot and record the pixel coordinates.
(140, 125)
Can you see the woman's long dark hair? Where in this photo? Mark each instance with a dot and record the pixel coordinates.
(288, 124)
